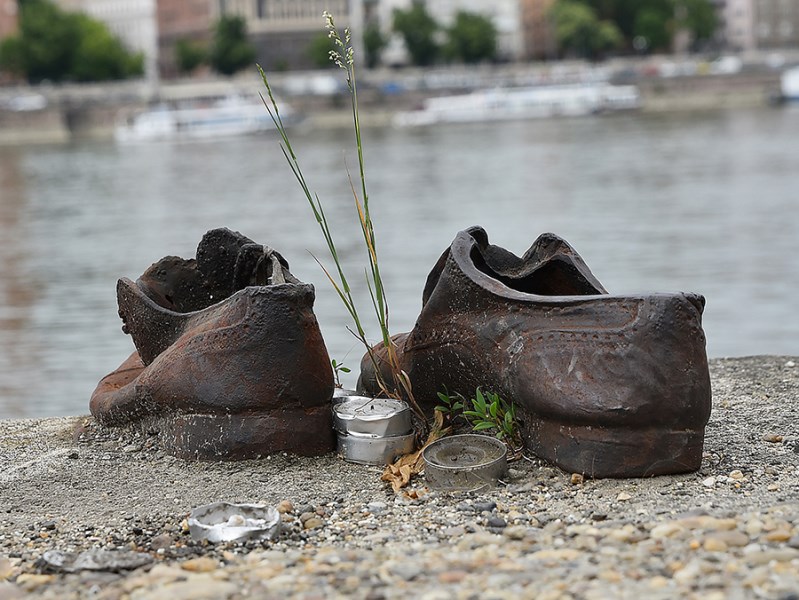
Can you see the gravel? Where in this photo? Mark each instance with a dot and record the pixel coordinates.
(115, 505)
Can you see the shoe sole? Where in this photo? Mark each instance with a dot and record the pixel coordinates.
(597, 452)
(244, 436)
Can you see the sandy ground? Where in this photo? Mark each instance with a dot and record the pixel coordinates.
(729, 530)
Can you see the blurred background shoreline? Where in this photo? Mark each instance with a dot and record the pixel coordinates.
(65, 113)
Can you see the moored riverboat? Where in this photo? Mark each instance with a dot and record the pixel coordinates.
(201, 118)
(789, 85)
(502, 104)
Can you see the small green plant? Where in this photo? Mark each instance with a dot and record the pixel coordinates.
(490, 411)
(485, 412)
(452, 406)
(338, 369)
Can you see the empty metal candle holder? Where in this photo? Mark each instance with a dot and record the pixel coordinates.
(464, 462)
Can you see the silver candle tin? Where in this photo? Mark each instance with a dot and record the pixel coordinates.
(371, 450)
(377, 417)
(464, 462)
(340, 394)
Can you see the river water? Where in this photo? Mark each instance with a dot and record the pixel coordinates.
(697, 202)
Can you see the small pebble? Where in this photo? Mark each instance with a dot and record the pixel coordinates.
(376, 507)
(312, 523)
(203, 564)
(772, 438)
(496, 523)
(161, 541)
(779, 535)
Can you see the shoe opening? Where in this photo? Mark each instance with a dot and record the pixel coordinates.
(557, 276)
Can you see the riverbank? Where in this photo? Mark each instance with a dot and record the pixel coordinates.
(74, 112)
(730, 530)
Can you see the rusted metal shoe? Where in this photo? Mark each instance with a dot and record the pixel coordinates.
(606, 386)
(230, 362)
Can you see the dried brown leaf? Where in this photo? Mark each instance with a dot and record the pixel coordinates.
(400, 472)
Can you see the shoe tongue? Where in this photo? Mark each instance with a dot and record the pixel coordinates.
(175, 284)
(217, 255)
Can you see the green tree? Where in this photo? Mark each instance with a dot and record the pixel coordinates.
(319, 51)
(472, 38)
(418, 29)
(578, 30)
(231, 50)
(657, 20)
(374, 42)
(654, 26)
(12, 56)
(101, 56)
(47, 40)
(189, 55)
(57, 45)
(698, 16)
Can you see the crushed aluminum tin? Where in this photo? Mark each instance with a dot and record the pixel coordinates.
(95, 559)
(370, 450)
(467, 462)
(376, 417)
(226, 522)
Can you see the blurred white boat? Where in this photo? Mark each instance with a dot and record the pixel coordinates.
(500, 104)
(201, 119)
(789, 85)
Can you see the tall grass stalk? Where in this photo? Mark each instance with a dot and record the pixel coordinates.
(343, 57)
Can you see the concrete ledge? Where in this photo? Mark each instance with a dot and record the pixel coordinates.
(730, 528)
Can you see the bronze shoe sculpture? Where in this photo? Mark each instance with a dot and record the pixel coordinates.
(605, 386)
(230, 361)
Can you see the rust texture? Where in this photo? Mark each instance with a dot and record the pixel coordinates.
(229, 363)
(604, 385)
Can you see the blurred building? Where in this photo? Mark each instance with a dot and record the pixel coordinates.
(746, 25)
(176, 20)
(283, 30)
(539, 38)
(736, 24)
(8, 17)
(776, 24)
(132, 21)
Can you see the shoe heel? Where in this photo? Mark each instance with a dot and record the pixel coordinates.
(598, 452)
(245, 436)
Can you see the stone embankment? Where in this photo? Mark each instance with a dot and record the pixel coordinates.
(92, 111)
(730, 530)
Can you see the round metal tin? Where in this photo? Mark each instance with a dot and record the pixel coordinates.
(341, 394)
(226, 522)
(370, 450)
(376, 417)
(464, 462)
